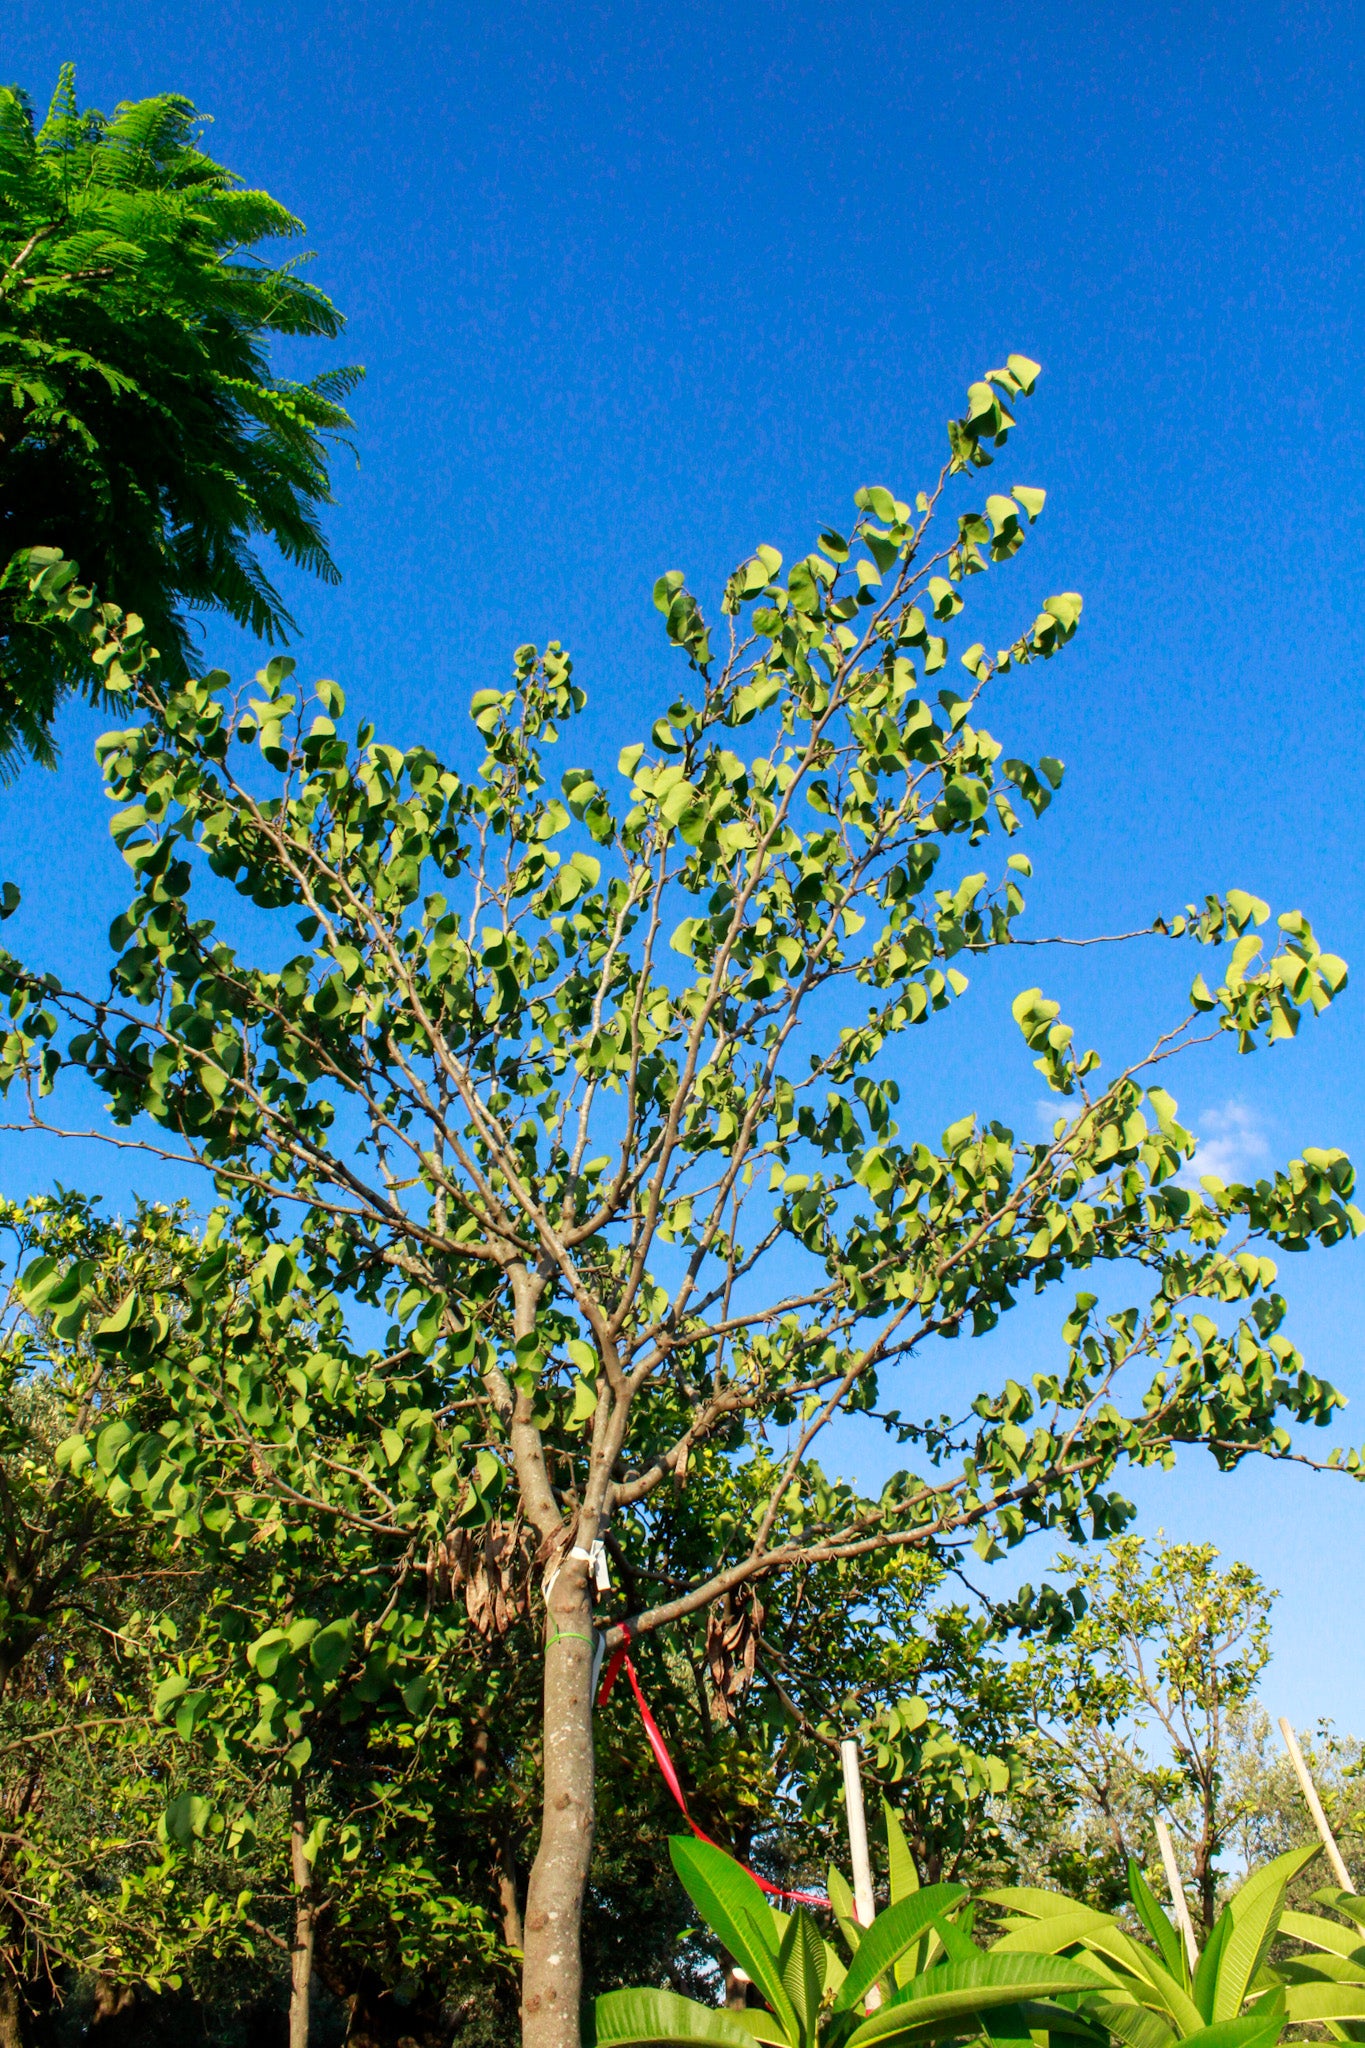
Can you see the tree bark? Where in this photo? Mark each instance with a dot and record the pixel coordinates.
(301, 1955)
(513, 1933)
(552, 1973)
(11, 2013)
(505, 1874)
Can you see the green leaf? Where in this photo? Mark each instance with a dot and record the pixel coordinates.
(1149, 1911)
(331, 1647)
(647, 2016)
(1067, 1923)
(1316, 2003)
(946, 2000)
(169, 1691)
(901, 1864)
(1258, 2030)
(1135, 2025)
(801, 1959)
(890, 1935)
(761, 2024)
(845, 1908)
(1322, 1933)
(875, 498)
(186, 1818)
(734, 1908)
(1253, 1915)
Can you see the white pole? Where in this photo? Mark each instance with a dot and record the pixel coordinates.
(863, 1901)
(1310, 1793)
(1177, 1891)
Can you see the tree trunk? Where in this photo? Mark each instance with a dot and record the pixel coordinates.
(1206, 1885)
(513, 1932)
(505, 1874)
(301, 1955)
(11, 2013)
(552, 1974)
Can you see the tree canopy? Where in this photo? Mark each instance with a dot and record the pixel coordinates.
(146, 437)
(593, 1091)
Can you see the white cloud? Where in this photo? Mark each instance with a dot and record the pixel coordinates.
(1232, 1144)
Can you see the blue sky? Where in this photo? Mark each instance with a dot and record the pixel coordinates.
(637, 288)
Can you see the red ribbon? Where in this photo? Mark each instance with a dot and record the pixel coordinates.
(670, 1775)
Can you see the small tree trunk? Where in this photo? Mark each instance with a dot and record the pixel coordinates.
(301, 1955)
(736, 1983)
(512, 1930)
(1205, 1855)
(552, 1974)
(506, 1872)
(1206, 1885)
(11, 2013)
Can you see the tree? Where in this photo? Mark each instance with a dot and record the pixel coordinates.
(612, 1136)
(90, 1880)
(1267, 1813)
(147, 439)
(1165, 1644)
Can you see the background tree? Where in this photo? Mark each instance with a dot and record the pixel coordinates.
(613, 1139)
(91, 1880)
(1140, 1706)
(146, 438)
(1266, 1807)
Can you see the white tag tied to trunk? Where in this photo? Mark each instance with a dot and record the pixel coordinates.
(596, 1561)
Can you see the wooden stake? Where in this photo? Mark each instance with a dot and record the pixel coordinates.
(863, 1902)
(1177, 1891)
(1310, 1793)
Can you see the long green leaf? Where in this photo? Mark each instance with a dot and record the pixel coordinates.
(1321, 1969)
(1048, 1936)
(1008, 2027)
(1322, 1933)
(1020, 2025)
(636, 2019)
(1253, 1913)
(1036, 1904)
(948, 2000)
(904, 1876)
(734, 1907)
(1342, 1902)
(801, 1959)
(835, 1968)
(1143, 1973)
(904, 1880)
(845, 1910)
(1205, 1986)
(761, 2024)
(1257, 2030)
(890, 1935)
(1065, 2021)
(957, 1939)
(1150, 1913)
(1136, 2025)
(1304, 2002)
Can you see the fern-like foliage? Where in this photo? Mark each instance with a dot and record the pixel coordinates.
(142, 431)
